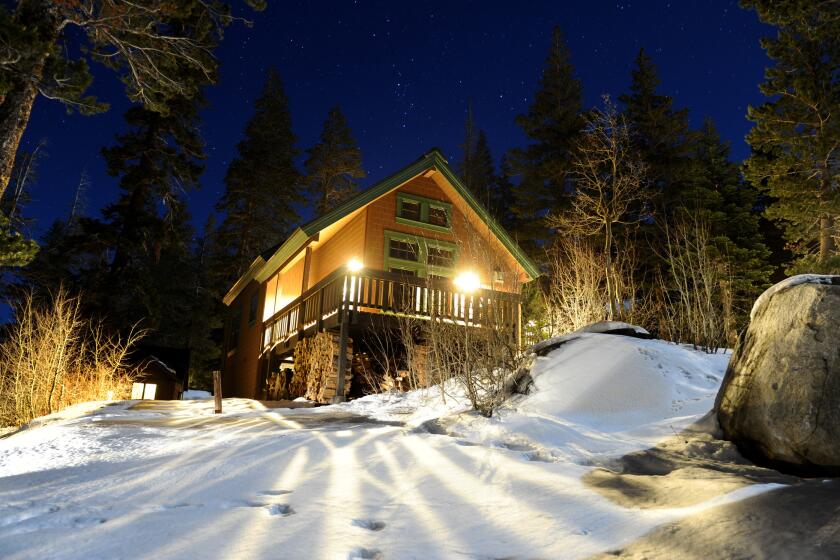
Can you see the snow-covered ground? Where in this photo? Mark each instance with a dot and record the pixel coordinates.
(389, 476)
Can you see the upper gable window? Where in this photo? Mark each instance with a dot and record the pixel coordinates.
(424, 212)
(438, 216)
(410, 210)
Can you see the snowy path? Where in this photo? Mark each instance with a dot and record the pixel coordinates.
(179, 482)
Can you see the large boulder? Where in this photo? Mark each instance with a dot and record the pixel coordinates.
(780, 398)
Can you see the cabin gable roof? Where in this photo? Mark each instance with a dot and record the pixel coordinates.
(303, 235)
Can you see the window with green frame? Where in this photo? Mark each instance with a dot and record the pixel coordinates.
(423, 212)
(418, 255)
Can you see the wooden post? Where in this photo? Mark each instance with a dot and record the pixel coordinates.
(344, 318)
(217, 390)
(342, 357)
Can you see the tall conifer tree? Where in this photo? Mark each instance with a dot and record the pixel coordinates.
(125, 262)
(333, 165)
(147, 229)
(553, 124)
(660, 133)
(476, 166)
(717, 193)
(151, 45)
(796, 136)
(262, 186)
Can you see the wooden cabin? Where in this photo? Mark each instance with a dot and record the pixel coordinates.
(159, 373)
(418, 242)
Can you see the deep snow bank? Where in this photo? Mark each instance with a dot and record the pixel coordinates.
(595, 394)
(617, 383)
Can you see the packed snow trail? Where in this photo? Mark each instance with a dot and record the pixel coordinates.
(173, 480)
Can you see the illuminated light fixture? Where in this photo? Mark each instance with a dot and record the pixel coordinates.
(354, 265)
(467, 282)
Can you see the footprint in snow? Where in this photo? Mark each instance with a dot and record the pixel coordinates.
(24, 513)
(273, 492)
(368, 524)
(283, 510)
(179, 505)
(88, 521)
(364, 554)
(244, 504)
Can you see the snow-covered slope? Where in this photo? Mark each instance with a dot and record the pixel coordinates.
(594, 395)
(389, 476)
(622, 384)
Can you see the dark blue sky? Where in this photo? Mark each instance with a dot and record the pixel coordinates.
(404, 73)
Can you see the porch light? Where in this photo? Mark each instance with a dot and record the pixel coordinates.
(467, 281)
(354, 265)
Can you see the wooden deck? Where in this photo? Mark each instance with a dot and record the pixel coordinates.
(343, 297)
(342, 294)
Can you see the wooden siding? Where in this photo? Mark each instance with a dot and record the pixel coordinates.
(475, 251)
(241, 364)
(345, 244)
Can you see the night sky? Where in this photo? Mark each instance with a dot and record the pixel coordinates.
(404, 74)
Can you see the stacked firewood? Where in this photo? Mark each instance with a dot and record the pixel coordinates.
(316, 368)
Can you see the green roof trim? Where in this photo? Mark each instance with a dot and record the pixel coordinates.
(432, 160)
(364, 198)
(491, 222)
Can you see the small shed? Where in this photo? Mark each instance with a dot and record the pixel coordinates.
(159, 373)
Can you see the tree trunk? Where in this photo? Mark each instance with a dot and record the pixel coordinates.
(608, 270)
(826, 237)
(16, 105)
(14, 115)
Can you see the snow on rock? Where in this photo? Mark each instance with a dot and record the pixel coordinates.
(788, 283)
(611, 327)
(193, 394)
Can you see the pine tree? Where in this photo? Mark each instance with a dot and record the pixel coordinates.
(660, 133)
(504, 200)
(151, 45)
(476, 165)
(15, 249)
(147, 229)
(796, 136)
(718, 194)
(466, 165)
(333, 165)
(261, 186)
(157, 161)
(207, 311)
(553, 124)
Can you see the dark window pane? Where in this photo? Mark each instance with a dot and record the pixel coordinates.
(403, 250)
(441, 257)
(410, 210)
(437, 278)
(404, 271)
(437, 217)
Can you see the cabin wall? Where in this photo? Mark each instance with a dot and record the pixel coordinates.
(345, 244)
(283, 288)
(478, 250)
(240, 373)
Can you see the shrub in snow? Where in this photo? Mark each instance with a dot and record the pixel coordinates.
(53, 358)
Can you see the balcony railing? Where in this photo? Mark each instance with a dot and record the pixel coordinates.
(342, 293)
